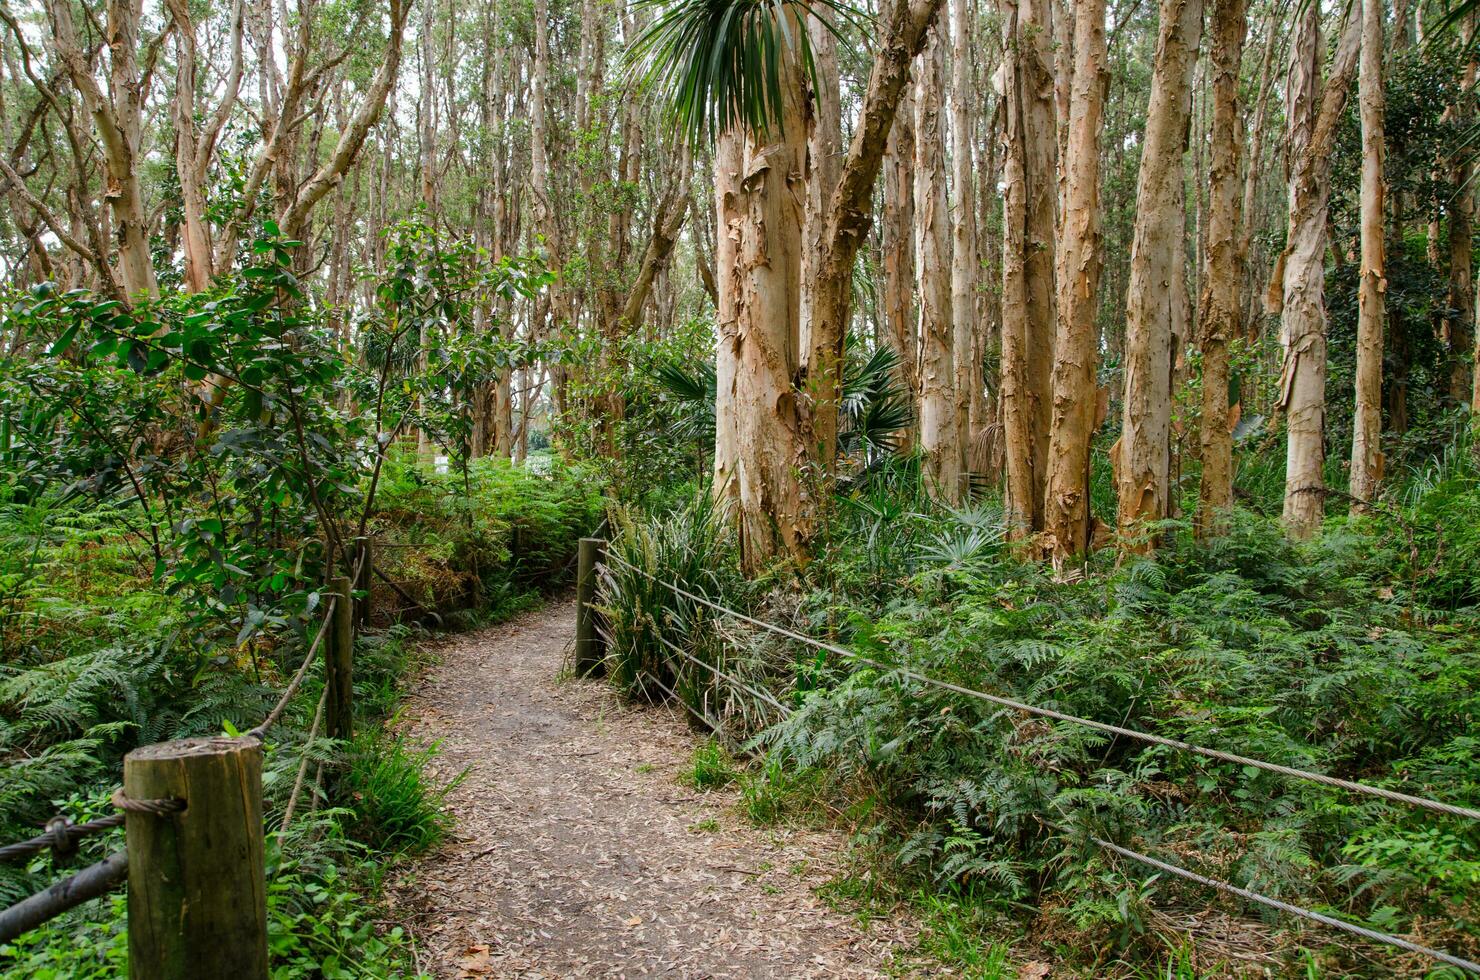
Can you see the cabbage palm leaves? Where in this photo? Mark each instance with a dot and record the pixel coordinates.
(719, 63)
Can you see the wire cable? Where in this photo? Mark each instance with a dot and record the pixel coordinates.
(1295, 910)
(1437, 806)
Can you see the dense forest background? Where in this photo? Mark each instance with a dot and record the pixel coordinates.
(1113, 356)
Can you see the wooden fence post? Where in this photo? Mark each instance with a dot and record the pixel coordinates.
(339, 659)
(364, 556)
(197, 885)
(589, 646)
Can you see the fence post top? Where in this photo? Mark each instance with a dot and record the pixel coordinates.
(189, 747)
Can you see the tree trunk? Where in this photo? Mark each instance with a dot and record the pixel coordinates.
(770, 452)
(1459, 325)
(898, 259)
(1027, 258)
(824, 163)
(1222, 299)
(117, 115)
(1366, 467)
(939, 437)
(1312, 131)
(965, 266)
(903, 26)
(1066, 521)
(1157, 303)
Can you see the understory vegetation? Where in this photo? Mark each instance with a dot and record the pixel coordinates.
(161, 577)
(1354, 655)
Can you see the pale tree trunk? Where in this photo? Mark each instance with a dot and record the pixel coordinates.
(729, 155)
(903, 27)
(774, 509)
(939, 436)
(1157, 302)
(1066, 520)
(1366, 467)
(1222, 297)
(898, 256)
(824, 163)
(117, 116)
(965, 266)
(194, 149)
(1254, 171)
(1459, 325)
(1029, 234)
(352, 138)
(1312, 115)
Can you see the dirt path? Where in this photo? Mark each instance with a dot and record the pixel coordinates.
(579, 853)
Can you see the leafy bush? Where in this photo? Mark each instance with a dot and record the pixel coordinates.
(1355, 655)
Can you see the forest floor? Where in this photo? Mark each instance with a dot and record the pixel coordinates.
(578, 850)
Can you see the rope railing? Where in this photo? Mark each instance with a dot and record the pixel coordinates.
(62, 835)
(1226, 887)
(292, 688)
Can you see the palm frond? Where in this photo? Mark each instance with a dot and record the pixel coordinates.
(723, 63)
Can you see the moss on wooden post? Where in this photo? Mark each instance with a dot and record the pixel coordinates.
(339, 658)
(589, 647)
(197, 887)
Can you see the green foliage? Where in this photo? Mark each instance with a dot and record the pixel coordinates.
(391, 800)
(1354, 655)
(712, 768)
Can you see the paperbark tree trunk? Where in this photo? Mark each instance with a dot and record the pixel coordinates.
(1312, 114)
(1366, 466)
(965, 265)
(1066, 521)
(902, 25)
(117, 115)
(939, 436)
(1029, 224)
(1459, 325)
(774, 515)
(1157, 303)
(729, 157)
(1255, 170)
(1222, 299)
(898, 258)
(824, 164)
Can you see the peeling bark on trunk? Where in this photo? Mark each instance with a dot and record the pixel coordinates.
(903, 25)
(965, 266)
(1303, 294)
(1029, 234)
(939, 436)
(728, 159)
(1066, 522)
(1157, 304)
(117, 115)
(1221, 307)
(1366, 464)
(898, 260)
(1222, 298)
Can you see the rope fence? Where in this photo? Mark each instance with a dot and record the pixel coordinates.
(1297, 911)
(194, 873)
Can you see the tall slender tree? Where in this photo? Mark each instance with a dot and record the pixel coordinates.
(1221, 309)
(1066, 497)
(1157, 306)
(1366, 463)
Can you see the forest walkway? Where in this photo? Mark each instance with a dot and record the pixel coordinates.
(578, 852)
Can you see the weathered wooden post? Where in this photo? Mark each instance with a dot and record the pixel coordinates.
(589, 649)
(197, 885)
(339, 659)
(364, 556)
